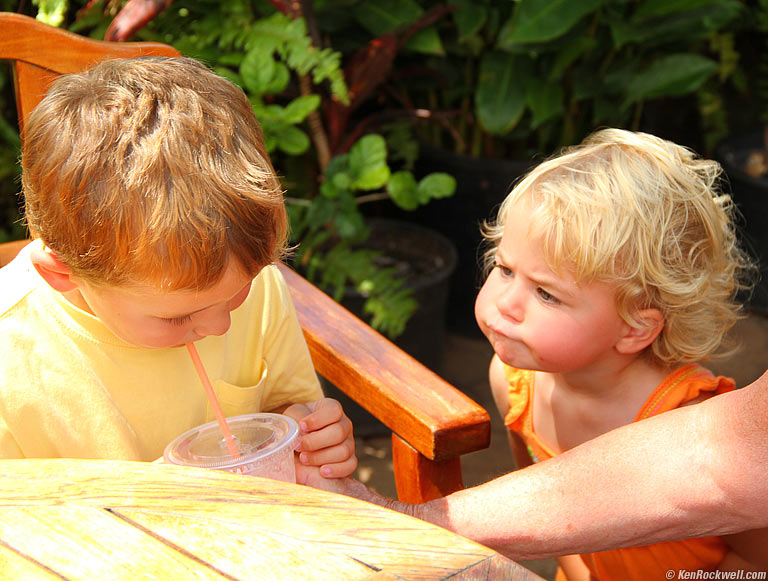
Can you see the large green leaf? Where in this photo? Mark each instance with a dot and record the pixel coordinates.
(658, 28)
(545, 100)
(500, 97)
(469, 18)
(386, 16)
(670, 76)
(665, 7)
(543, 20)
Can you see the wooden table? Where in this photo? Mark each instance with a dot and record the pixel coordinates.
(89, 519)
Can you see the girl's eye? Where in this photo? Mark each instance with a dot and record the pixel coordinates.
(547, 298)
(505, 272)
(178, 321)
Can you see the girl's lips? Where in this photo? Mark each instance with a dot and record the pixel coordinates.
(501, 329)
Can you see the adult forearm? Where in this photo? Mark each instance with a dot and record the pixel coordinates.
(693, 472)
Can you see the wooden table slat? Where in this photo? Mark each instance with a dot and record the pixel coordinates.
(16, 566)
(73, 541)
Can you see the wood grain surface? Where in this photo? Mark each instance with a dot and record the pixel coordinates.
(93, 519)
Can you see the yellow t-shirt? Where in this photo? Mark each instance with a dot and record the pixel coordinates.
(70, 388)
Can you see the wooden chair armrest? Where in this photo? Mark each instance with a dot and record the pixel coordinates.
(429, 417)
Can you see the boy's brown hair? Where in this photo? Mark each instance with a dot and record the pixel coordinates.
(152, 171)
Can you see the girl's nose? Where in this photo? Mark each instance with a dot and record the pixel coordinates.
(511, 302)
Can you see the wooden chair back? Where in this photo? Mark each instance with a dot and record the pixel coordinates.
(432, 422)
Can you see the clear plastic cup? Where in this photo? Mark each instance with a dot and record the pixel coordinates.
(266, 443)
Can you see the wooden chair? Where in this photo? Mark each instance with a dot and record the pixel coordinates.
(432, 422)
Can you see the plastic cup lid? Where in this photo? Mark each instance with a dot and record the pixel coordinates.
(258, 436)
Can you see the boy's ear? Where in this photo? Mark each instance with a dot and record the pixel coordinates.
(52, 269)
(637, 338)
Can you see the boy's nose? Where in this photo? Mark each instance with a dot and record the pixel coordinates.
(215, 324)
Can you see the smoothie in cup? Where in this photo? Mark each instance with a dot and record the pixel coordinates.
(265, 444)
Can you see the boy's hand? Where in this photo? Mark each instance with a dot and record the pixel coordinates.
(326, 438)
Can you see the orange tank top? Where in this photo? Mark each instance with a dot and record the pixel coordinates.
(635, 563)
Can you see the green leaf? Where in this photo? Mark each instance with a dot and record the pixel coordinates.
(572, 50)
(665, 7)
(342, 180)
(257, 71)
(349, 226)
(656, 27)
(390, 311)
(426, 41)
(543, 20)
(500, 97)
(469, 18)
(368, 163)
(293, 141)
(670, 76)
(298, 109)
(402, 188)
(386, 16)
(435, 186)
(545, 100)
(372, 178)
(270, 140)
(51, 11)
(279, 81)
(328, 189)
(320, 212)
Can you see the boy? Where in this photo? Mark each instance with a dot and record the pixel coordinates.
(156, 215)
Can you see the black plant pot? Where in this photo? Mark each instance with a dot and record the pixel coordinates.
(426, 260)
(751, 197)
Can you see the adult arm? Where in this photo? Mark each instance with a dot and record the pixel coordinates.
(695, 471)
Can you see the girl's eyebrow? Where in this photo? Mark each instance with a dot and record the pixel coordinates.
(553, 284)
(548, 279)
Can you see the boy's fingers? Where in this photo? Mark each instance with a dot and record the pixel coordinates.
(340, 469)
(297, 412)
(327, 436)
(324, 412)
(335, 454)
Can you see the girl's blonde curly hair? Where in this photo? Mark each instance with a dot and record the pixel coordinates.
(648, 215)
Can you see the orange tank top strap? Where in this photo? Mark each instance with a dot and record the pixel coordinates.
(684, 384)
(519, 418)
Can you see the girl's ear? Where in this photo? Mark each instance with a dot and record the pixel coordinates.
(52, 269)
(650, 324)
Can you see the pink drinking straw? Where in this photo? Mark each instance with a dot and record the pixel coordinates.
(223, 426)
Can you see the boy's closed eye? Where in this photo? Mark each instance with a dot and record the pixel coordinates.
(178, 321)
